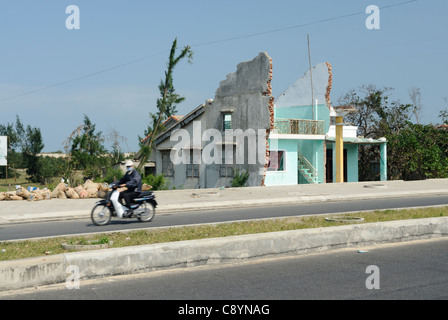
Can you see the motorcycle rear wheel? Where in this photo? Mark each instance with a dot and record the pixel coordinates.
(101, 215)
(146, 212)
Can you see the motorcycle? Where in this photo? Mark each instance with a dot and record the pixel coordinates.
(144, 207)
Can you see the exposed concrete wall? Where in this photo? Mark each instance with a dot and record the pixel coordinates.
(297, 101)
(246, 94)
(300, 94)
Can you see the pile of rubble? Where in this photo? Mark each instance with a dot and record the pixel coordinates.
(89, 189)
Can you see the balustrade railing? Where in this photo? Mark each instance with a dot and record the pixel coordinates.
(299, 126)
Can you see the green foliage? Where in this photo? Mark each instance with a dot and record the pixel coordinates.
(157, 182)
(166, 104)
(418, 152)
(30, 143)
(14, 156)
(112, 175)
(239, 179)
(87, 150)
(414, 151)
(32, 147)
(376, 117)
(443, 114)
(50, 168)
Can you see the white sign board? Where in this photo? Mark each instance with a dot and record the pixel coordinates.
(3, 150)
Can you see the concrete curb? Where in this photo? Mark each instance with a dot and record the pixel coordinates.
(295, 200)
(24, 273)
(225, 204)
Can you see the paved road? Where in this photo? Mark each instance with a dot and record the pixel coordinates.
(45, 229)
(414, 270)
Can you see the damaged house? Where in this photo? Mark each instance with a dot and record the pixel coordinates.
(242, 130)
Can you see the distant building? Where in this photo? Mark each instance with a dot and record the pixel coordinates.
(53, 154)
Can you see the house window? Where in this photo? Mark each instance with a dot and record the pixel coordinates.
(167, 165)
(192, 168)
(226, 168)
(276, 160)
(227, 121)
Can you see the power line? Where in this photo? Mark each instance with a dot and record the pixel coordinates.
(301, 25)
(81, 77)
(58, 84)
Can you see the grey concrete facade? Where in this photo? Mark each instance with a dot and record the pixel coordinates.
(229, 123)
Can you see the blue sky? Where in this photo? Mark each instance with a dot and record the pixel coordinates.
(51, 76)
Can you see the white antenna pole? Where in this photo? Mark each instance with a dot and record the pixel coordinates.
(311, 75)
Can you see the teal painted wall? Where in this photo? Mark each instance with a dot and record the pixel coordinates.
(313, 150)
(352, 161)
(289, 175)
(383, 161)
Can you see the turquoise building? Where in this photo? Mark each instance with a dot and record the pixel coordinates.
(302, 143)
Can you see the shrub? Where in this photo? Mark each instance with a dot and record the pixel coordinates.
(240, 179)
(112, 175)
(157, 182)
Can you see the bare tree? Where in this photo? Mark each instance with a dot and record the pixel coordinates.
(115, 138)
(376, 117)
(444, 113)
(415, 95)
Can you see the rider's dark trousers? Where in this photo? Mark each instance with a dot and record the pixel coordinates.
(128, 196)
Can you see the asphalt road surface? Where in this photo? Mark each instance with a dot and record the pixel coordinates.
(45, 229)
(412, 270)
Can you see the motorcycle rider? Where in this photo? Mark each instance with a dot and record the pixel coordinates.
(132, 180)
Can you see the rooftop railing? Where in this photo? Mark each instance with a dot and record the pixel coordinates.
(299, 126)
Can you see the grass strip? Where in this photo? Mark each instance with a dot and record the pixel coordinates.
(11, 250)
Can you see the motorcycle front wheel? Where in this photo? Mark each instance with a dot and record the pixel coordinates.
(146, 212)
(101, 215)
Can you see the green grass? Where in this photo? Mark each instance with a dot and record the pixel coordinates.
(24, 182)
(11, 183)
(51, 246)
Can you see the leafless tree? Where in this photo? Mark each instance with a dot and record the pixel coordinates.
(415, 95)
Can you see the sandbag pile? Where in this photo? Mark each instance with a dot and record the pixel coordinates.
(33, 195)
(62, 191)
(22, 193)
(11, 195)
(89, 189)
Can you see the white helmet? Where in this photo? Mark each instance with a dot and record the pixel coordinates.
(129, 163)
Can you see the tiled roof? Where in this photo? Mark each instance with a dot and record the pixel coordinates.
(176, 118)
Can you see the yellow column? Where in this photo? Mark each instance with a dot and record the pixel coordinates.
(339, 150)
